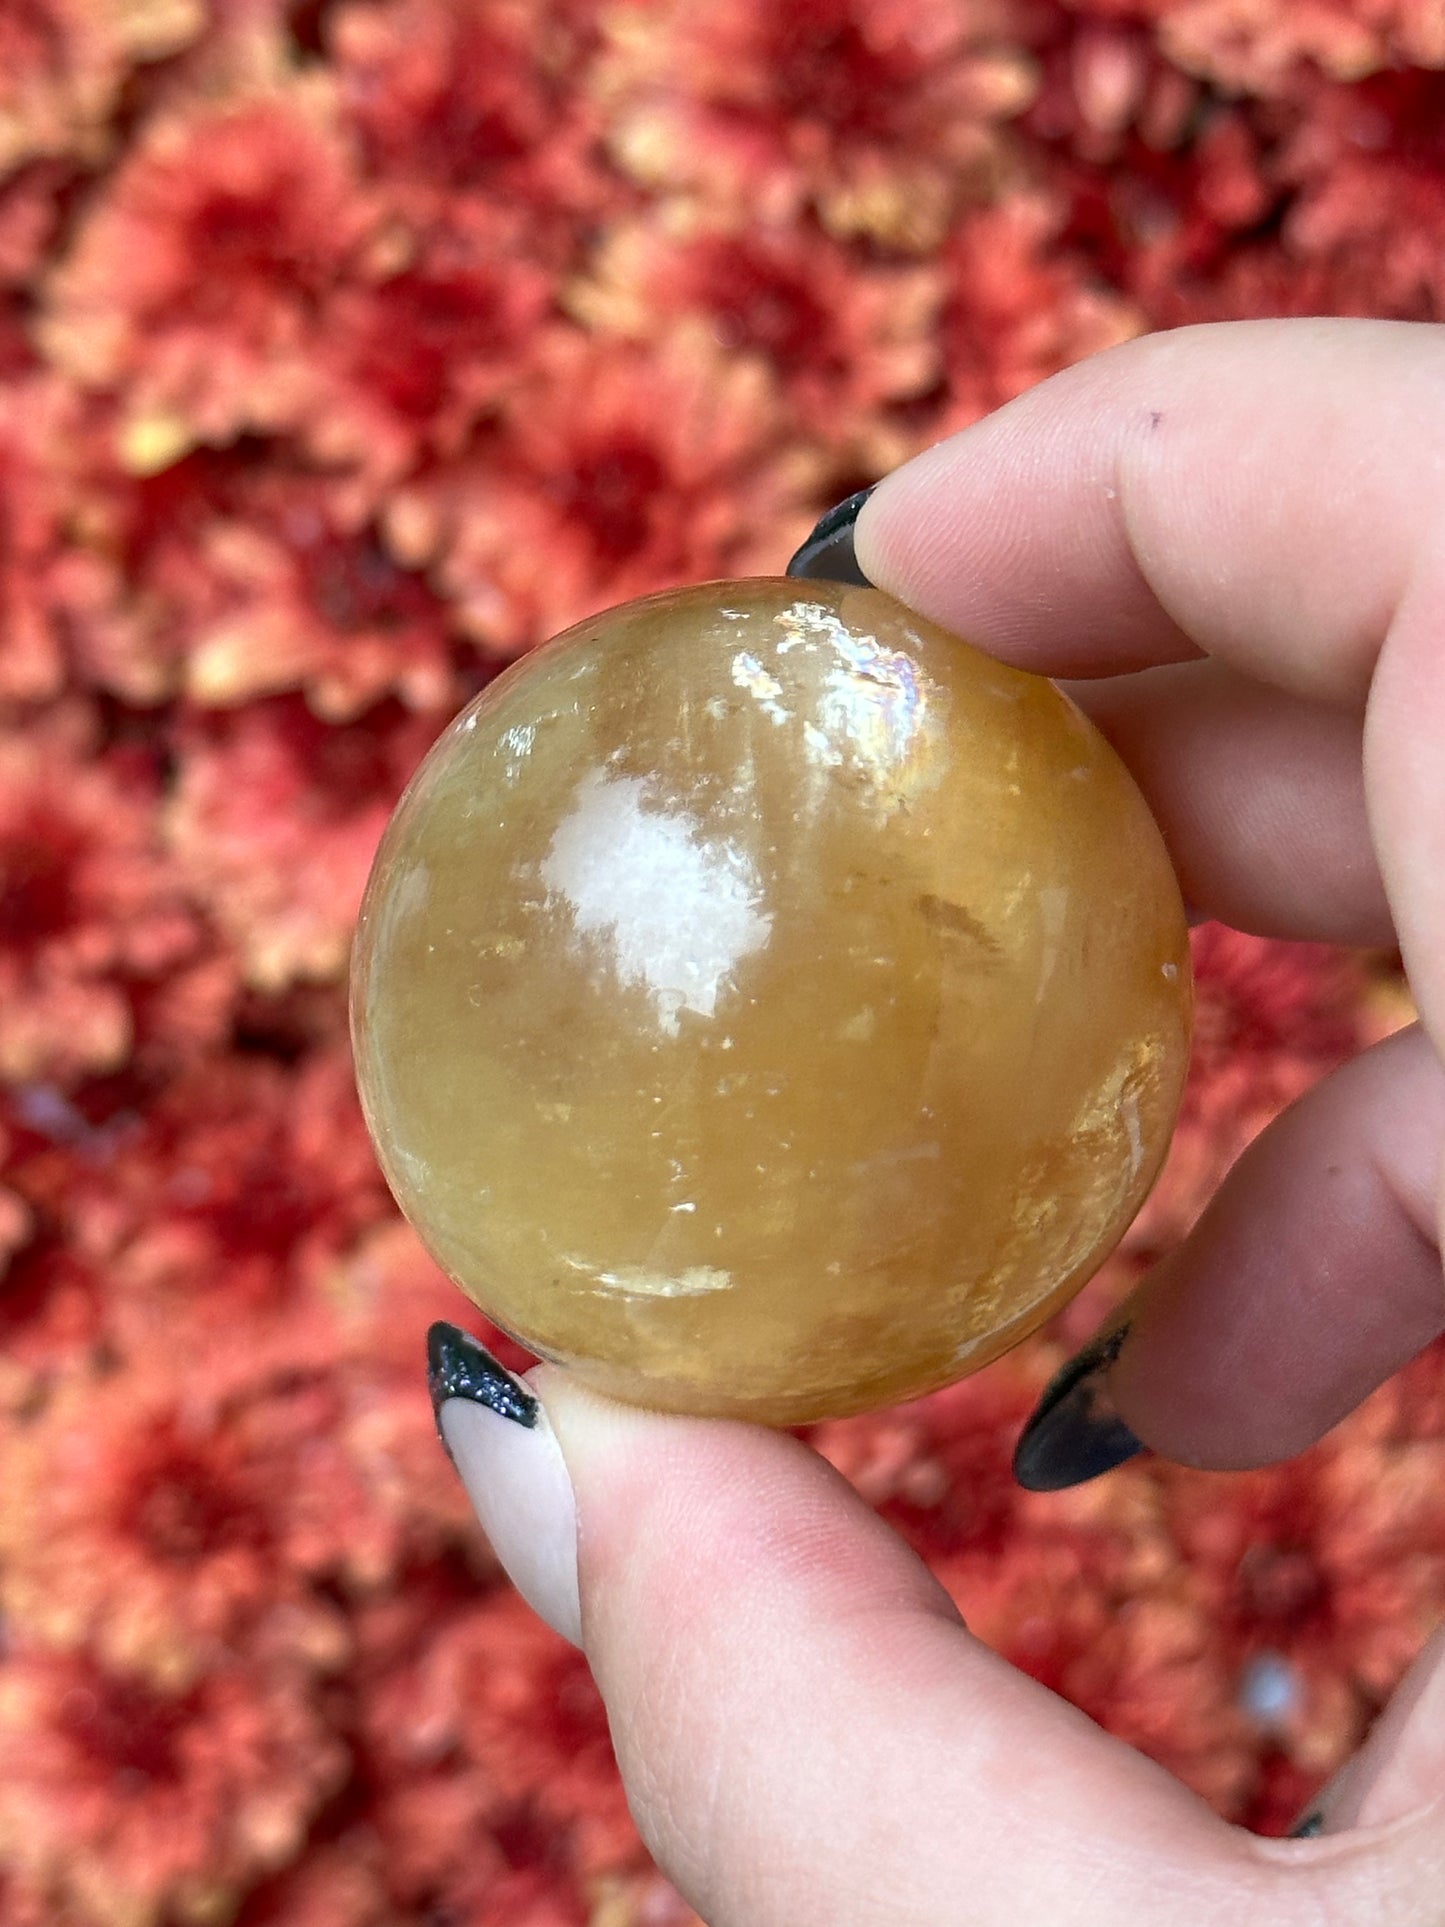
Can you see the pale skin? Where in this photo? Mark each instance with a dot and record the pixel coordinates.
(1231, 541)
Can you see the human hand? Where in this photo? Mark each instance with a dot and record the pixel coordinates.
(1231, 541)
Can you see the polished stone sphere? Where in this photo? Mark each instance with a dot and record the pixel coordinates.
(765, 1004)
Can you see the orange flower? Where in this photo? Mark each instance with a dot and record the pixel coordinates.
(130, 1806)
(884, 115)
(843, 336)
(90, 908)
(620, 471)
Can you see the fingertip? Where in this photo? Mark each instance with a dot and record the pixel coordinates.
(672, 1506)
(1256, 490)
(982, 533)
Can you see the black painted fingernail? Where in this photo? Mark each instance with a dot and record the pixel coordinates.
(827, 555)
(1307, 1826)
(1075, 1433)
(458, 1367)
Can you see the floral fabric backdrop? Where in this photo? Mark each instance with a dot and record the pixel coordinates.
(346, 350)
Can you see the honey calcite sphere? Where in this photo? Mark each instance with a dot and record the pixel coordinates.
(765, 1004)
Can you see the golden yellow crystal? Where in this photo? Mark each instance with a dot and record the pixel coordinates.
(765, 1004)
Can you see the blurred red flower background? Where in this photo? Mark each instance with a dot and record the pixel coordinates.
(347, 349)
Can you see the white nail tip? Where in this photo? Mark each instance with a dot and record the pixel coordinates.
(517, 1480)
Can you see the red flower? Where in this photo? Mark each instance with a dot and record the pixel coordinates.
(447, 1835)
(1018, 308)
(1105, 83)
(386, 1295)
(415, 355)
(29, 216)
(285, 599)
(621, 471)
(1270, 1019)
(1262, 46)
(90, 909)
(1367, 222)
(1080, 1590)
(939, 1470)
(329, 1886)
(474, 104)
(122, 1806)
(1163, 190)
(881, 114)
(63, 64)
(59, 1232)
(35, 416)
(1329, 1570)
(51, 1310)
(494, 1690)
(1149, 1669)
(335, 340)
(233, 1204)
(167, 1532)
(229, 576)
(843, 336)
(263, 194)
(274, 822)
(448, 1851)
(1412, 1405)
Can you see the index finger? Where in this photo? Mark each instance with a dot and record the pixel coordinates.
(1256, 491)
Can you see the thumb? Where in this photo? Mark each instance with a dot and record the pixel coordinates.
(805, 1728)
